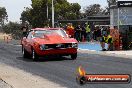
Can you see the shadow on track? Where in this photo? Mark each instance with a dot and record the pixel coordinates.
(45, 59)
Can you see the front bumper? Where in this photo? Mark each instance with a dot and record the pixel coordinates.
(63, 51)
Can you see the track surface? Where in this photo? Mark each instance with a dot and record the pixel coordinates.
(63, 70)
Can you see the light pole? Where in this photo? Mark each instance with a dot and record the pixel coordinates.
(52, 14)
(47, 11)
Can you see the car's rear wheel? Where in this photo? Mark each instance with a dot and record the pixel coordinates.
(24, 52)
(34, 55)
(73, 56)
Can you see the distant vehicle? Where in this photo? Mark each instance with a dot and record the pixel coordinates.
(42, 42)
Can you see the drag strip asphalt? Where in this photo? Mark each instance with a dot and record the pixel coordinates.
(63, 70)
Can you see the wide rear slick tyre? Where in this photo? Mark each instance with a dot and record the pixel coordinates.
(24, 52)
(74, 56)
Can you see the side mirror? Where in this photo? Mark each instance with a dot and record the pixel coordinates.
(69, 36)
(24, 38)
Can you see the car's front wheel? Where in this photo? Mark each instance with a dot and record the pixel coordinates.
(73, 56)
(24, 52)
(34, 55)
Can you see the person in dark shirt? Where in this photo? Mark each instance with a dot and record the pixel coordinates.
(95, 33)
(24, 31)
(98, 34)
(83, 33)
(78, 33)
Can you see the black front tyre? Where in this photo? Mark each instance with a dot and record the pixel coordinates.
(34, 55)
(24, 52)
(73, 56)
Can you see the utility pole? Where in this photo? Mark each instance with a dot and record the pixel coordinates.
(52, 14)
(47, 11)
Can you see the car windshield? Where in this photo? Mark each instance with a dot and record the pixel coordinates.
(40, 33)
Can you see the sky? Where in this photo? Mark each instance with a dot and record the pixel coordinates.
(15, 7)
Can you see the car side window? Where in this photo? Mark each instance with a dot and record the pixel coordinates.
(61, 32)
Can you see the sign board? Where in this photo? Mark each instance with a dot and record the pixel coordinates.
(124, 3)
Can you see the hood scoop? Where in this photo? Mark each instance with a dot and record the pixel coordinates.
(54, 38)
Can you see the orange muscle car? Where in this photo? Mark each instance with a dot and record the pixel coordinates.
(41, 42)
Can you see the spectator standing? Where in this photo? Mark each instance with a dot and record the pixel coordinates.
(24, 31)
(65, 27)
(83, 33)
(78, 33)
(88, 34)
(98, 34)
(95, 34)
(103, 31)
(70, 30)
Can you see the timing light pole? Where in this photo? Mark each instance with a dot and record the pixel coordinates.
(52, 14)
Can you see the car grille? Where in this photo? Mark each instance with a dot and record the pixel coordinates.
(56, 46)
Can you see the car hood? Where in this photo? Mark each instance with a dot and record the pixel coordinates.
(53, 39)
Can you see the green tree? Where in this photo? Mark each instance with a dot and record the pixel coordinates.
(14, 29)
(26, 16)
(37, 15)
(106, 11)
(3, 16)
(94, 9)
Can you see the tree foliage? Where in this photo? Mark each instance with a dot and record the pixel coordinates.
(13, 28)
(37, 15)
(112, 2)
(95, 9)
(3, 15)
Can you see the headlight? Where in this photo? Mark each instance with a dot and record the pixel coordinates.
(42, 47)
(74, 45)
